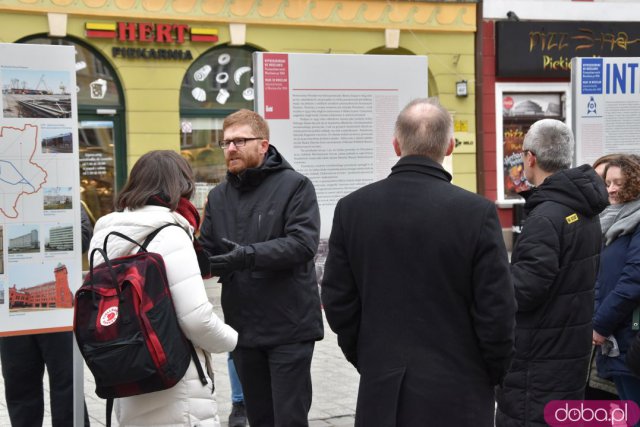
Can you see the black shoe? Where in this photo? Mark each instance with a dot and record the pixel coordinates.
(238, 416)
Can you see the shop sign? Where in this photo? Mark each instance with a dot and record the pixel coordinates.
(545, 48)
(146, 32)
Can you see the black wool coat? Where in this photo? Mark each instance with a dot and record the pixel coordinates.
(417, 288)
(554, 266)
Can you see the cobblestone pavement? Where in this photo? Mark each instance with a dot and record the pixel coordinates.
(335, 385)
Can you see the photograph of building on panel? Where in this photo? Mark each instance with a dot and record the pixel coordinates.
(56, 140)
(23, 239)
(59, 237)
(58, 198)
(36, 93)
(39, 287)
(1, 293)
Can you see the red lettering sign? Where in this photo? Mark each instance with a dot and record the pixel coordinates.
(145, 32)
(163, 33)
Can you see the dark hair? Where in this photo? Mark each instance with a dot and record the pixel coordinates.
(630, 169)
(162, 173)
(605, 159)
(255, 121)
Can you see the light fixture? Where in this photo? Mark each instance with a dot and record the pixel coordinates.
(237, 34)
(57, 24)
(391, 38)
(461, 88)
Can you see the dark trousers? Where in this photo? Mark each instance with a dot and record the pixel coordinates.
(277, 384)
(23, 361)
(628, 389)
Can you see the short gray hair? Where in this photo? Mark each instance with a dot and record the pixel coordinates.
(551, 141)
(424, 128)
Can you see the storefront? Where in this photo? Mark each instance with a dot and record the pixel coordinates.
(163, 75)
(529, 79)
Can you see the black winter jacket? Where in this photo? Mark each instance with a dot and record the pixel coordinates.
(554, 267)
(273, 209)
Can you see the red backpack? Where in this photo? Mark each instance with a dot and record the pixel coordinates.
(126, 326)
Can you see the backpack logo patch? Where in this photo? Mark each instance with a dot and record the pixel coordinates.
(571, 218)
(109, 316)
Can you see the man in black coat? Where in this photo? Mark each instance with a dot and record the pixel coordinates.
(417, 287)
(554, 266)
(262, 225)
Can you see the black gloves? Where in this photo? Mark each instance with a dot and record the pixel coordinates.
(238, 258)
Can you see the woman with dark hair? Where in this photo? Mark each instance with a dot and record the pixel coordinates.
(157, 193)
(618, 283)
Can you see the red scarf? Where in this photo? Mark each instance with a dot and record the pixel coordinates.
(190, 213)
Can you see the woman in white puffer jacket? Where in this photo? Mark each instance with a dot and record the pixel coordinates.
(157, 193)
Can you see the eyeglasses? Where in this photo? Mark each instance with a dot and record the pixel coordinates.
(238, 142)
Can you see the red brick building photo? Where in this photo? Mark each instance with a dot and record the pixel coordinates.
(54, 294)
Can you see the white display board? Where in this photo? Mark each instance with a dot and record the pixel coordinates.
(40, 234)
(606, 93)
(332, 116)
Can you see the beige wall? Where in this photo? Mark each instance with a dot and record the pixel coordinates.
(443, 32)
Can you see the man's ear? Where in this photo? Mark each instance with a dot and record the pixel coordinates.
(450, 147)
(396, 147)
(531, 160)
(264, 146)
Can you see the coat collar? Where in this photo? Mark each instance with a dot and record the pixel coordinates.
(422, 165)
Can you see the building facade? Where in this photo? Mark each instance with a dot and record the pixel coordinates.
(26, 241)
(54, 294)
(61, 238)
(141, 64)
(526, 52)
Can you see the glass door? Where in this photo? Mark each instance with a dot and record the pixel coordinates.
(97, 165)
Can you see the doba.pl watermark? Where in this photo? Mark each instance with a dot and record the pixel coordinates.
(591, 413)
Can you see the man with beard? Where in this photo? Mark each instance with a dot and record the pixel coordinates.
(262, 227)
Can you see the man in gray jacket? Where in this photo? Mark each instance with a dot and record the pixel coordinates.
(262, 227)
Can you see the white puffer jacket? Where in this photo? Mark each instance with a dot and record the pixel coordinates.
(188, 403)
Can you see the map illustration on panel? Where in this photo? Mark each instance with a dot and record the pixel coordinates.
(20, 175)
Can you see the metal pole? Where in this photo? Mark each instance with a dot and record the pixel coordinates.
(78, 386)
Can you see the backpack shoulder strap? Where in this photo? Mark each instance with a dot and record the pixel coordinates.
(109, 409)
(194, 355)
(154, 233)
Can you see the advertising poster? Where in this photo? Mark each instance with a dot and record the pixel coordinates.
(519, 111)
(40, 254)
(514, 179)
(606, 113)
(332, 116)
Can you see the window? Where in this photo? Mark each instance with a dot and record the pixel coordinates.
(218, 83)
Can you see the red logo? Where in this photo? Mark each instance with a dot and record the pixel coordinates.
(507, 102)
(109, 316)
